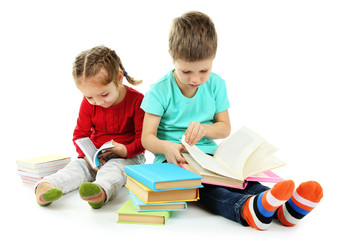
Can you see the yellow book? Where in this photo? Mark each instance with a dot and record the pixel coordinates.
(43, 161)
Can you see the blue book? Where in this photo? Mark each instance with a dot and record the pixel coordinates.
(163, 176)
(141, 206)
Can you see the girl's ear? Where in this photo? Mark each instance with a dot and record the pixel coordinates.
(120, 77)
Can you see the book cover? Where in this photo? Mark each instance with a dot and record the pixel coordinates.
(43, 161)
(268, 176)
(167, 206)
(128, 214)
(42, 169)
(163, 177)
(149, 196)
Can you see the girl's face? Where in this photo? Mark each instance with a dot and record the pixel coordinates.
(99, 94)
(191, 75)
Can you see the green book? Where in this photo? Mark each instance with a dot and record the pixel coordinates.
(128, 214)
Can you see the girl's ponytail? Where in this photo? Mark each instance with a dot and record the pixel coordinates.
(130, 79)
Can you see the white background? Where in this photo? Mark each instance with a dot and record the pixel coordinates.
(281, 62)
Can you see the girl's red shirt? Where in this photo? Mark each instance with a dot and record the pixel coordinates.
(121, 123)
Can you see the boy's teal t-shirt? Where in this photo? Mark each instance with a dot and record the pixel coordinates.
(165, 99)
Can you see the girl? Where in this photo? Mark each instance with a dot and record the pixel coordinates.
(110, 111)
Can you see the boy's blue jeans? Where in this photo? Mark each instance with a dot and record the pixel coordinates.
(229, 202)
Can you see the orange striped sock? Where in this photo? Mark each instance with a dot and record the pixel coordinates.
(303, 201)
(47, 193)
(259, 210)
(93, 194)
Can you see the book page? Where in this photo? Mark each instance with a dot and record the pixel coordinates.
(104, 147)
(101, 150)
(206, 161)
(234, 151)
(260, 160)
(88, 148)
(265, 163)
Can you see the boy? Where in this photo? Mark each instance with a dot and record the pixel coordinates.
(192, 101)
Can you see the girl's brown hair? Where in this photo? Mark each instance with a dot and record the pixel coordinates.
(90, 62)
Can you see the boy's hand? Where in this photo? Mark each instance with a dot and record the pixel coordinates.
(119, 149)
(194, 133)
(173, 153)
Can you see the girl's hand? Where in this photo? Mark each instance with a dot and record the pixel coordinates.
(119, 150)
(173, 153)
(194, 133)
(88, 162)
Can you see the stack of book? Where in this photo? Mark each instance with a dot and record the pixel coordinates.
(33, 169)
(155, 191)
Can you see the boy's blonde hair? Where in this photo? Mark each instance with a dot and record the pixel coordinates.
(193, 37)
(90, 62)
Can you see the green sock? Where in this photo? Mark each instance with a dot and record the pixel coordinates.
(47, 193)
(93, 194)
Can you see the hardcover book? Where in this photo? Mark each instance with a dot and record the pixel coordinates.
(128, 214)
(167, 206)
(163, 177)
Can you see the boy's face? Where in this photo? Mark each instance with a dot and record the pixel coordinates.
(191, 75)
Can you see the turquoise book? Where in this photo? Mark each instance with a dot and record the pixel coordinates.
(163, 176)
(166, 206)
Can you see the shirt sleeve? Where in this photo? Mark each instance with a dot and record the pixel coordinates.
(221, 100)
(84, 125)
(135, 148)
(153, 102)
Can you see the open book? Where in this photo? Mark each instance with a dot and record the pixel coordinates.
(90, 150)
(241, 155)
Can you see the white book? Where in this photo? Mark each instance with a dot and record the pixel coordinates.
(239, 156)
(90, 150)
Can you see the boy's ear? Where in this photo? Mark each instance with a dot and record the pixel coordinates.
(170, 53)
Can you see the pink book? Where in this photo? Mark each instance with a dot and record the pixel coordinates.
(218, 180)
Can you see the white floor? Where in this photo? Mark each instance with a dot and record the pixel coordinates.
(70, 216)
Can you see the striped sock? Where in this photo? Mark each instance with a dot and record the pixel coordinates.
(47, 193)
(303, 201)
(93, 194)
(259, 210)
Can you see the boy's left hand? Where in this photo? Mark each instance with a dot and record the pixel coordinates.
(194, 133)
(119, 149)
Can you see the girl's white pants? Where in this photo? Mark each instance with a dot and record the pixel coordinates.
(110, 176)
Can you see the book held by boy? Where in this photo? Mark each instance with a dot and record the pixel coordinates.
(167, 206)
(128, 214)
(90, 150)
(148, 196)
(215, 179)
(33, 169)
(243, 154)
(163, 177)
